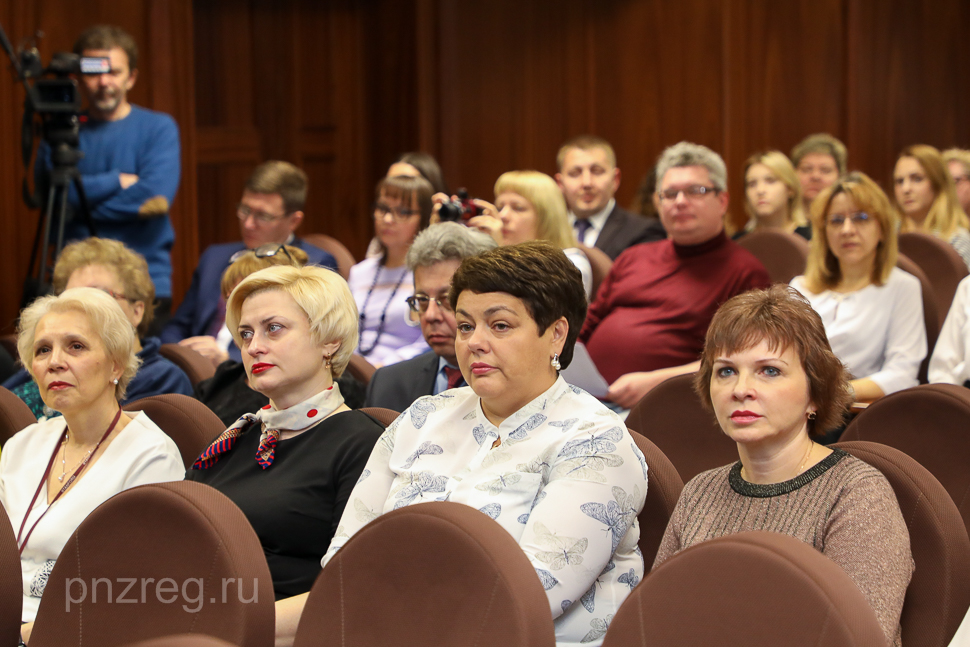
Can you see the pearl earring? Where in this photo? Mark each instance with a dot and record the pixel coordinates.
(115, 381)
(555, 362)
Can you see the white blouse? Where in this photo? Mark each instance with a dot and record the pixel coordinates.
(141, 453)
(878, 332)
(566, 481)
(951, 356)
(578, 258)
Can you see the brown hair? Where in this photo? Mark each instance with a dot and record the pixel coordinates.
(536, 272)
(249, 263)
(283, 178)
(585, 143)
(824, 144)
(427, 166)
(408, 190)
(107, 37)
(945, 215)
(783, 318)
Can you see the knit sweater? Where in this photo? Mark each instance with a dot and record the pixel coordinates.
(843, 507)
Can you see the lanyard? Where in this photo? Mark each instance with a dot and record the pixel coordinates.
(43, 480)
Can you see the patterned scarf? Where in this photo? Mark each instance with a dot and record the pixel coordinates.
(299, 416)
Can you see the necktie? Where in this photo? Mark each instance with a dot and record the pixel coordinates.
(582, 226)
(454, 377)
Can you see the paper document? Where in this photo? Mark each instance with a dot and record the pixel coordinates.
(584, 374)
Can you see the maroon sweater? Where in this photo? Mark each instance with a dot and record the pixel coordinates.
(653, 309)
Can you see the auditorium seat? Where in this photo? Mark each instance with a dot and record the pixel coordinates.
(439, 573)
(191, 424)
(384, 416)
(930, 424)
(747, 590)
(11, 583)
(14, 415)
(184, 531)
(671, 415)
(663, 489)
(941, 263)
(360, 369)
(345, 260)
(182, 640)
(930, 318)
(192, 362)
(600, 262)
(783, 254)
(939, 593)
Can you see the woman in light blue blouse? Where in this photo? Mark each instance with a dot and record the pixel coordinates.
(546, 460)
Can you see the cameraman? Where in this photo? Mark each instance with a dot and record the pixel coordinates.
(131, 163)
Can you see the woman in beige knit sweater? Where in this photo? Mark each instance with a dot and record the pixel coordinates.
(769, 375)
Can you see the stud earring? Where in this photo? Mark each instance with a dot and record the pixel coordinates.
(115, 381)
(555, 362)
(812, 415)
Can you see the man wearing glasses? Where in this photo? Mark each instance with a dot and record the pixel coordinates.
(269, 212)
(433, 257)
(651, 313)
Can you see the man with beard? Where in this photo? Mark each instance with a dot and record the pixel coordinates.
(131, 165)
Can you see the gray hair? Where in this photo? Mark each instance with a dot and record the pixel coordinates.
(689, 154)
(447, 241)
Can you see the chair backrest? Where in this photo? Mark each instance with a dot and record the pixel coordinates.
(942, 264)
(748, 589)
(183, 551)
(188, 422)
(939, 593)
(439, 573)
(182, 640)
(196, 366)
(930, 318)
(671, 415)
(11, 583)
(600, 262)
(663, 489)
(928, 423)
(783, 254)
(360, 369)
(14, 415)
(345, 260)
(384, 416)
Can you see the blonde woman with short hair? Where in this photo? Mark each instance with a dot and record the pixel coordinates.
(773, 196)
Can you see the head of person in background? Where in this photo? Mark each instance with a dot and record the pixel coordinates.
(271, 207)
(692, 190)
(819, 160)
(402, 208)
(645, 201)
(958, 163)
(419, 164)
(107, 93)
(588, 175)
(773, 195)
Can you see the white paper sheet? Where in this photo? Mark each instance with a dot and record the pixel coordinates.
(584, 374)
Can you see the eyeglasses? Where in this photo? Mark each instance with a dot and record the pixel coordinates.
(381, 210)
(692, 192)
(263, 251)
(243, 212)
(419, 303)
(857, 218)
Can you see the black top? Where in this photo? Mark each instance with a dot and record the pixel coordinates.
(766, 490)
(295, 505)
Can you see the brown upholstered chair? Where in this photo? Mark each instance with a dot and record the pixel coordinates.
(671, 415)
(384, 416)
(747, 590)
(14, 415)
(182, 640)
(360, 369)
(188, 422)
(438, 573)
(11, 583)
(939, 593)
(345, 260)
(196, 366)
(185, 531)
(600, 262)
(930, 318)
(941, 263)
(783, 254)
(928, 423)
(663, 489)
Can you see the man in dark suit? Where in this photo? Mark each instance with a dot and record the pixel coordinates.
(589, 178)
(433, 258)
(269, 212)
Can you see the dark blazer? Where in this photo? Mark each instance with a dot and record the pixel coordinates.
(194, 315)
(397, 386)
(625, 229)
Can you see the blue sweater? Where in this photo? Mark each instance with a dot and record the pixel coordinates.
(145, 143)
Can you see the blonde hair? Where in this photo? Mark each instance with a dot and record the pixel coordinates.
(823, 270)
(782, 168)
(107, 319)
(945, 215)
(547, 200)
(249, 263)
(958, 155)
(323, 296)
(129, 266)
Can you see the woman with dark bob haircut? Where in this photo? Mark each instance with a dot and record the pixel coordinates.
(544, 459)
(769, 376)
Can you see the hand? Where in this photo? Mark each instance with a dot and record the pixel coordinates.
(207, 347)
(25, 630)
(488, 222)
(629, 389)
(127, 179)
(436, 200)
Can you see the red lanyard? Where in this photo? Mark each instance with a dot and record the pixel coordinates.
(43, 480)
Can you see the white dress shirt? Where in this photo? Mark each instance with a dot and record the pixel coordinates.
(597, 221)
(878, 332)
(566, 481)
(951, 356)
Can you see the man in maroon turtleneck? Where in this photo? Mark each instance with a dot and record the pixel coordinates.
(651, 314)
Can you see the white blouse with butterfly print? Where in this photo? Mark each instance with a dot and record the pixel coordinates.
(566, 481)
